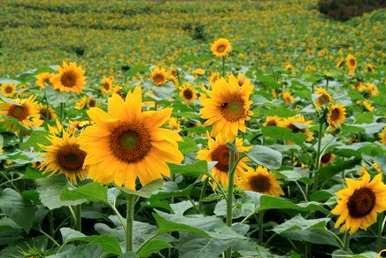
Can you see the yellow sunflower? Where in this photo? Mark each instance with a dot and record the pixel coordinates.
(368, 106)
(107, 84)
(372, 89)
(336, 115)
(370, 67)
(260, 180)
(25, 111)
(8, 90)
(358, 203)
(327, 158)
(174, 124)
(340, 63)
(273, 121)
(126, 142)
(228, 107)
(221, 47)
(199, 72)
(70, 78)
(187, 93)
(43, 79)
(322, 97)
(64, 156)
(218, 151)
(288, 98)
(382, 136)
(159, 76)
(81, 103)
(213, 78)
(47, 113)
(289, 67)
(298, 124)
(351, 64)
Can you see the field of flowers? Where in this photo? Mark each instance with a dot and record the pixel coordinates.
(193, 129)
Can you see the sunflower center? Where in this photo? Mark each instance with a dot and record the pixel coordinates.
(158, 78)
(8, 89)
(352, 62)
(221, 155)
(91, 103)
(19, 112)
(70, 157)
(220, 48)
(68, 79)
(295, 129)
(233, 109)
(323, 99)
(361, 202)
(260, 183)
(106, 86)
(326, 158)
(272, 122)
(46, 114)
(188, 94)
(335, 114)
(130, 142)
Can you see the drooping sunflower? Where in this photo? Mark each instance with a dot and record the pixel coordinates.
(188, 93)
(227, 109)
(25, 111)
(359, 203)
(159, 76)
(242, 79)
(70, 78)
(221, 47)
(382, 136)
(340, 63)
(8, 90)
(126, 142)
(298, 124)
(372, 89)
(351, 64)
(64, 156)
(336, 115)
(107, 85)
(218, 151)
(47, 113)
(288, 98)
(322, 97)
(260, 180)
(43, 79)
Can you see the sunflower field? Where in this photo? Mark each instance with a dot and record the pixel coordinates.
(192, 129)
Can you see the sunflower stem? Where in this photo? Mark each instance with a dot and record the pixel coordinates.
(223, 66)
(229, 201)
(318, 151)
(129, 222)
(261, 223)
(381, 225)
(346, 241)
(62, 105)
(78, 218)
(203, 188)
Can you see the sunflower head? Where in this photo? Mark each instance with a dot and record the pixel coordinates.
(351, 64)
(273, 121)
(199, 72)
(370, 67)
(322, 97)
(107, 84)
(336, 115)
(70, 78)
(47, 113)
(8, 89)
(327, 158)
(213, 78)
(372, 89)
(358, 203)
(382, 136)
(261, 181)
(188, 93)
(221, 47)
(64, 156)
(368, 106)
(298, 124)
(340, 63)
(127, 143)
(228, 107)
(43, 79)
(159, 76)
(25, 111)
(288, 98)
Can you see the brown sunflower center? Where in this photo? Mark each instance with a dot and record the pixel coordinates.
(8, 89)
(335, 114)
(20, 112)
(188, 94)
(323, 99)
(220, 48)
(260, 183)
(221, 155)
(158, 78)
(68, 79)
(130, 142)
(352, 62)
(91, 103)
(326, 158)
(361, 202)
(233, 109)
(45, 114)
(295, 129)
(106, 86)
(71, 157)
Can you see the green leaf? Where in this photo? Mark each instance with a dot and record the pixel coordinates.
(153, 246)
(188, 145)
(345, 254)
(147, 190)
(202, 247)
(338, 166)
(37, 138)
(81, 251)
(284, 134)
(266, 156)
(195, 169)
(50, 189)
(92, 191)
(32, 173)
(17, 209)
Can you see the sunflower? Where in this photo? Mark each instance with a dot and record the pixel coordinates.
(289, 67)
(368, 106)
(298, 124)
(174, 124)
(69, 79)
(81, 103)
(8, 90)
(126, 142)
(273, 121)
(47, 113)
(382, 136)
(372, 89)
(107, 85)
(327, 158)
(261, 181)
(359, 203)
(360, 86)
(340, 63)
(159, 76)
(370, 67)
(336, 115)
(64, 156)
(213, 78)
(288, 98)
(43, 79)
(221, 47)
(351, 64)
(91, 102)
(199, 72)
(322, 97)
(25, 111)
(187, 93)
(242, 79)
(228, 107)
(218, 151)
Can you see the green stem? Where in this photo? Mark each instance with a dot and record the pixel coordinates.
(223, 66)
(62, 105)
(346, 241)
(318, 151)
(261, 224)
(129, 223)
(381, 226)
(203, 188)
(78, 218)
